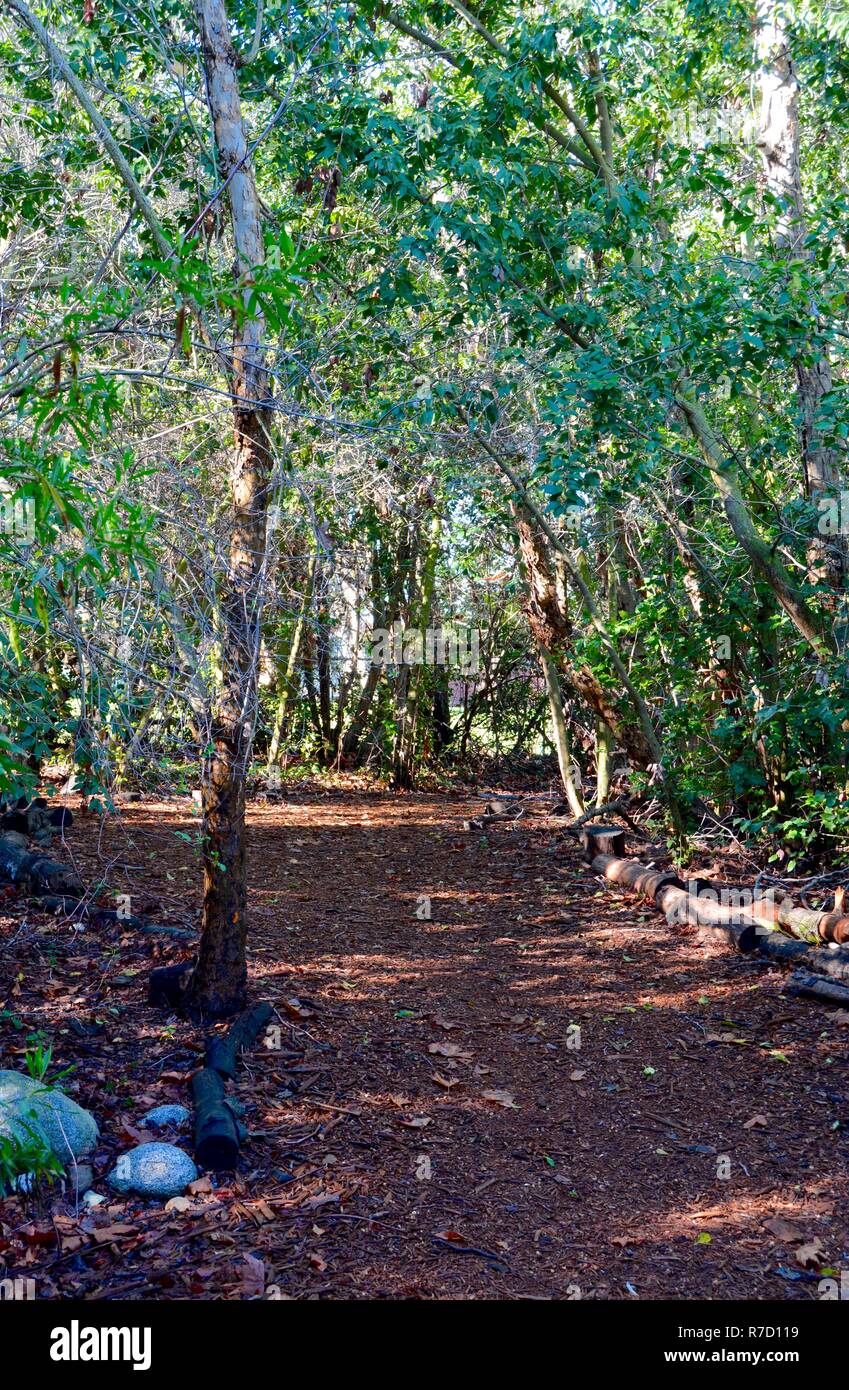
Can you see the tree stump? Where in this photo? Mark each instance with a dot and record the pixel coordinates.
(602, 839)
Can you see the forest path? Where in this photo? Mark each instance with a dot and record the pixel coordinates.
(630, 1069)
(430, 1126)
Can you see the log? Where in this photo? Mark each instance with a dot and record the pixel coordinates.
(72, 907)
(760, 912)
(815, 987)
(630, 873)
(218, 1132)
(602, 839)
(36, 872)
(827, 926)
(747, 926)
(832, 962)
(168, 985)
(216, 1127)
(222, 1054)
(782, 949)
(745, 938)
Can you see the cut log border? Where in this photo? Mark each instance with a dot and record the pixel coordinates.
(218, 1130)
(36, 872)
(750, 927)
(107, 916)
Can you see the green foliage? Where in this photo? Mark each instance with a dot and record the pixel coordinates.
(445, 264)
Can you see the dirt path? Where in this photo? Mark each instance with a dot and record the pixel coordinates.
(538, 1090)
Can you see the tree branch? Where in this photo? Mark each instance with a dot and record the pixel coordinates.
(104, 134)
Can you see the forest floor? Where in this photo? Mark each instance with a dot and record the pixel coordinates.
(429, 1127)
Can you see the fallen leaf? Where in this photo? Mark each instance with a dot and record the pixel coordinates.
(577, 1075)
(809, 1255)
(501, 1098)
(445, 1049)
(179, 1204)
(104, 1234)
(33, 1234)
(757, 1122)
(296, 1009)
(322, 1200)
(783, 1229)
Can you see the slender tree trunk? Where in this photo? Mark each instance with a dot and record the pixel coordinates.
(443, 734)
(282, 714)
(561, 733)
(385, 615)
(218, 984)
(603, 754)
(724, 474)
(405, 744)
(780, 148)
(551, 629)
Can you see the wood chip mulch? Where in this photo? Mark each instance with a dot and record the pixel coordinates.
(489, 1075)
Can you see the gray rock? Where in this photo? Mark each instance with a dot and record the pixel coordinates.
(164, 1115)
(28, 1105)
(81, 1178)
(153, 1170)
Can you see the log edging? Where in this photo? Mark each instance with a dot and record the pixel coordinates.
(752, 927)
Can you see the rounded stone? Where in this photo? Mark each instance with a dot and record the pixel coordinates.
(153, 1170)
(165, 1116)
(28, 1107)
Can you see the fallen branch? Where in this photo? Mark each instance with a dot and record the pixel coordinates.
(217, 1132)
(618, 807)
(102, 916)
(222, 1054)
(36, 872)
(814, 987)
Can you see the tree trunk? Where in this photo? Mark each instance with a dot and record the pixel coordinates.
(283, 712)
(218, 984)
(421, 608)
(603, 757)
(561, 733)
(779, 145)
(548, 620)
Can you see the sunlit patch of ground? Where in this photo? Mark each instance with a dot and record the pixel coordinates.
(475, 1036)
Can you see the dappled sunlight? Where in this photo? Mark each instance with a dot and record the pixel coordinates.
(527, 1062)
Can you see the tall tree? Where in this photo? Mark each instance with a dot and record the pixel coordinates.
(218, 983)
